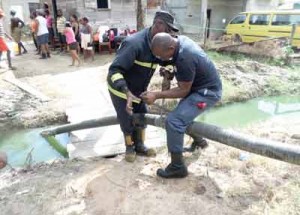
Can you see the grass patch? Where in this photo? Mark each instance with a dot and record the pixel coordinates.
(226, 56)
(230, 91)
(234, 56)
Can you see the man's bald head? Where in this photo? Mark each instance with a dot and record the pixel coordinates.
(163, 46)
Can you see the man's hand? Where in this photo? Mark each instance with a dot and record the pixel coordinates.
(148, 97)
(130, 99)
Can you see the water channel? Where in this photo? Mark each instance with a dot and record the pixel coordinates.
(17, 144)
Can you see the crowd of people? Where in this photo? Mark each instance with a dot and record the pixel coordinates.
(74, 36)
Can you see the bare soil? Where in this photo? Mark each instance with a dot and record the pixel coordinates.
(219, 183)
(222, 180)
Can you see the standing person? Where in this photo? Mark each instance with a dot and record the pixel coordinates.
(75, 27)
(199, 86)
(16, 25)
(86, 35)
(49, 20)
(42, 35)
(33, 29)
(3, 45)
(129, 75)
(60, 24)
(71, 41)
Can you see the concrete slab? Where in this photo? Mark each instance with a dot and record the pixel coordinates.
(104, 141)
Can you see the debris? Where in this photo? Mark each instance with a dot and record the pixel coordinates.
(296, 136)
(3, 159)
(221, 195)
(244, 156)
(22, 192)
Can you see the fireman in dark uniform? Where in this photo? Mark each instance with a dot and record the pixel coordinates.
(129, 75)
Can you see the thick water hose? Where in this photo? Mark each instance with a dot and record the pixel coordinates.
(268, 148)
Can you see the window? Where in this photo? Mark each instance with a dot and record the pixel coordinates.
(97, 4)
(285, 19)
(33, 7)
(239, 19)
(102, 4)
(259, 19)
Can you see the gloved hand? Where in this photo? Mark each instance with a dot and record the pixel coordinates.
(130, 99)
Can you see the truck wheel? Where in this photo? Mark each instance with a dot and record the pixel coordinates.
(237, 38)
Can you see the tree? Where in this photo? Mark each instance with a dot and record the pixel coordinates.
(140, 16)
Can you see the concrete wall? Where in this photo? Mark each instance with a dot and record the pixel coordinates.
(121, 13)
(21, 7)
(262, 4)
(192, 21)
(221, 13)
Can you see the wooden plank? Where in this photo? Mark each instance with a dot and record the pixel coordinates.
(27, 88)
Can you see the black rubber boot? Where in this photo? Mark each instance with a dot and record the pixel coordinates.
(44, 56)
(139, 139)
(176, 169)
(196, 144)
(130, 154)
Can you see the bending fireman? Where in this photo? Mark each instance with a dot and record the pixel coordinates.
(129, 75)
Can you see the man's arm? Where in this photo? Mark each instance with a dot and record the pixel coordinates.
(37, 25)
(123, 61)
(22, 23)
(181, 91)
(8, 36)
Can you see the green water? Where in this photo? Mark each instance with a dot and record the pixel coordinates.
(17, 144)
(253, 111)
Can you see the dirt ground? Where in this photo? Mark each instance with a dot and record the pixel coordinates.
(222, 180)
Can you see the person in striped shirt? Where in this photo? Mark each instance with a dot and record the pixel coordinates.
(60, 24)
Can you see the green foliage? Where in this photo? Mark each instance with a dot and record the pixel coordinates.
(231, 56)
(230, 91)
(276, 86)
(221, 57)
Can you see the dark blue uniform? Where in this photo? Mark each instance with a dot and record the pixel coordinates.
(192, 65)
(133, 67)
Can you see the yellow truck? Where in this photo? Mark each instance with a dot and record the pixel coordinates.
(259, 25)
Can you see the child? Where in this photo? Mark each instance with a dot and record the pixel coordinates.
(71, 41)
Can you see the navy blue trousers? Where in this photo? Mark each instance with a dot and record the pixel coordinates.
(183, 115)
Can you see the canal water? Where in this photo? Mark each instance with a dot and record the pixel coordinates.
(18, 144)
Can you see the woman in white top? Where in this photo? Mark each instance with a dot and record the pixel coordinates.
(42, 35)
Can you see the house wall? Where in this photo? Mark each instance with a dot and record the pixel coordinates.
(191, 14)
(23, 13)
(122, 13)
(221, 13)
(253, 5)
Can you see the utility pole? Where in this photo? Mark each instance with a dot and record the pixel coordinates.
(140, 16)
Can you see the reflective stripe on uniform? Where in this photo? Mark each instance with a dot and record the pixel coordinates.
(120, 94)
(116, 77)
(145, 64)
